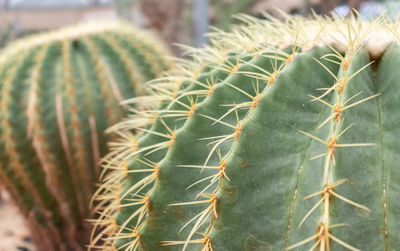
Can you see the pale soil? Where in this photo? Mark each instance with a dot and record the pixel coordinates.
(14, 235)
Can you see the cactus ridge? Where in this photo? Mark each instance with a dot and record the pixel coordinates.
(59, 92)
(148, 142)
(277, 137)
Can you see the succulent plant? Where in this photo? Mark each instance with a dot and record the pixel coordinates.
(59, 92)
(278, 136)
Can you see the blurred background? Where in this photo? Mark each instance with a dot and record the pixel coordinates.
(174, 21)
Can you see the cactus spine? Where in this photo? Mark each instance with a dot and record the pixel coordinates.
(279, 136)
(59, 92)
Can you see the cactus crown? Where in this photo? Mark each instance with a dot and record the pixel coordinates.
(59, 92)
(271, 126)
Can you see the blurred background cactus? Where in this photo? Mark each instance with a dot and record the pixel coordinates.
(59, 92)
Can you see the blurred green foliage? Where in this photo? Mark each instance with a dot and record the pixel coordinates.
(7, 34)
(222, 11)
(124, 8)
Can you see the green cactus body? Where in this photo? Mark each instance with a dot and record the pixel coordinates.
(282, 136)
(59, 92)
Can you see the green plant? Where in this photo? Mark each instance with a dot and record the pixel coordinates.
(59, 92)
(279, 136)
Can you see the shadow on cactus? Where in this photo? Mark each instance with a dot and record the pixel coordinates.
(59, 93)
(278, 136)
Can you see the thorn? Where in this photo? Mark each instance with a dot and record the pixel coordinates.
(318, 156)
(344, 244)
(361, 101)
(320, 100)
(311, 210)
(314, 137)
(350, 201)
(303, 242)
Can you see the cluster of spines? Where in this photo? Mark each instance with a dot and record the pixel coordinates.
(130, 148)
(280, 60)
(182, 106)
(146, 160)
(323, 235)
(52, 127)
(110, 194)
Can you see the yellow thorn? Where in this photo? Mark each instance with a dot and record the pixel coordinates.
(303, 242)
(361, 101)
(344, 244)
(311, 210)
(314, 137)
(350, 201)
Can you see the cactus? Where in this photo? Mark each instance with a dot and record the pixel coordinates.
(59, 92)
(276, 137)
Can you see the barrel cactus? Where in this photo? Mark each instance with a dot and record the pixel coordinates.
(59, 92)
(278, 136)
